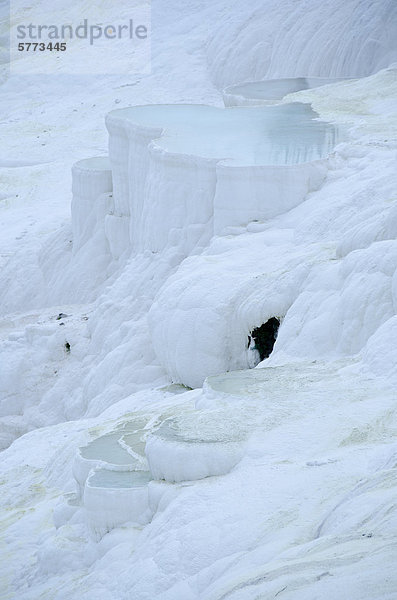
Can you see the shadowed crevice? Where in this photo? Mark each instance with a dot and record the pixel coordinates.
(265, 337)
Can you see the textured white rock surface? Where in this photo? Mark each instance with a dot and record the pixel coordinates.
(309, 511)
(92, 199)
(196, 445)
(338, 39)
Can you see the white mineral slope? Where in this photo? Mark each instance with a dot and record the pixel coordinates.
(333, 300)
(310, 511)
(61, 112)
(41, 269)
(333, 38)
(60, 122)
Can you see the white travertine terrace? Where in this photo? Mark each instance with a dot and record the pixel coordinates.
(195, 446)
(271, 91)
(117, 483)
(112, 479)
(103, 450)
(92, 201)
(112, 498)
(182, 173)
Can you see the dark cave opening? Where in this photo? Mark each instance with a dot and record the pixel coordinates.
(265, 337)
